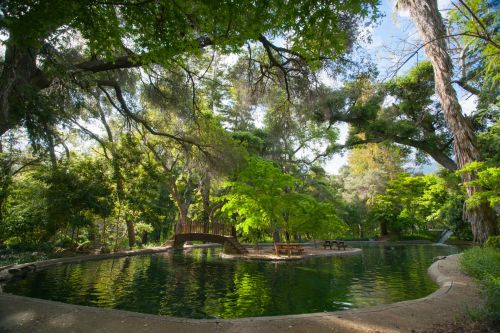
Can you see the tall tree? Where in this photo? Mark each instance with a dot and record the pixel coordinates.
(111, 152)
(429, 23)
(412, 119)
(370, 168)
(56, 41)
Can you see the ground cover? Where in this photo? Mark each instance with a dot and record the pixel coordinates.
(483, 264)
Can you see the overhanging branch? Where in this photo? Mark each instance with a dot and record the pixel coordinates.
(124, 110)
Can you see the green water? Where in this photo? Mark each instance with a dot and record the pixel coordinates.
(199, 284)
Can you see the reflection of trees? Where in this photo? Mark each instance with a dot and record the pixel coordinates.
(201, 285)
(323, 285)
(247, 294)
(394, 273)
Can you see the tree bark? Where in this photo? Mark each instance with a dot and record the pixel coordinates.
(205, 195)
(120, 191)
(432, 31)
(19, 80)
(182, 207)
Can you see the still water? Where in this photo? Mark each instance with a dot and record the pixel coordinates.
(199, 284)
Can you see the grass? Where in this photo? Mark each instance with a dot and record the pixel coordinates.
(483, 264)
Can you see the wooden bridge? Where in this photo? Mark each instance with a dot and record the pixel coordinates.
(224, 234)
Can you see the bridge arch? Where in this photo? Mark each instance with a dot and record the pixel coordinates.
(224, 234)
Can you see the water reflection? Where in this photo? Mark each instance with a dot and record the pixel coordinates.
(199, 284)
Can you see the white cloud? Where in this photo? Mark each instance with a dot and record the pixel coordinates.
(468, 103)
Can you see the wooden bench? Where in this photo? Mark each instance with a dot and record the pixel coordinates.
(331, 243)
(288, 248)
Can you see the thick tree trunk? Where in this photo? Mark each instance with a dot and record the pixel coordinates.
(432, 31)
(19, 81)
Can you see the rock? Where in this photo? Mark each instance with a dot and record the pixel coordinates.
(58, 249)
(101, 250)
(14, 270)
(85, 248)
(28, 268)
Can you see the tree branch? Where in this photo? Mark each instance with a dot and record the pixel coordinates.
(124, 110)
(126, 61)
(99, 65)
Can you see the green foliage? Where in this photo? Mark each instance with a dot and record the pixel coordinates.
(264, 199)
(416, 203)
(480, 36)
(493, 242)
(483, 264)
(251, 142)
(487, 179)
(142, 227)
(49, 199)
(489, 144)
(400, 111)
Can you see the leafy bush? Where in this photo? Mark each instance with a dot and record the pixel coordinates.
(493, 242)
(10, 256)
(13, 241)
(66, 242)
(483, 264)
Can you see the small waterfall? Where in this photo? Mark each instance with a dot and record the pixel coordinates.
(444, 236)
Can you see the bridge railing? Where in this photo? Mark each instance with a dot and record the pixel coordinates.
(219, 229)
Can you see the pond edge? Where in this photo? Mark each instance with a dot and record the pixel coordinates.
(454, 288)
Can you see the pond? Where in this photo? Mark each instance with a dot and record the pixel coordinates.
(199, 284)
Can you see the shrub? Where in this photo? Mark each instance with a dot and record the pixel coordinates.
(13, 241)
(493, 242)
(483, 264)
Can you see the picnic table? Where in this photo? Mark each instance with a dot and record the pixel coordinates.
(288, 248)
(331, 243)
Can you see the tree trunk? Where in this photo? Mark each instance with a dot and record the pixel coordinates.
(120, 192)
(51, 146)
(182, 207)
(205, 195)
(121, 198)
(276, 236)
(383, 228)
(19, 81)
(432, 31)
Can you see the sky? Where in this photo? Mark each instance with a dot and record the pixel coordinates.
(394, 36)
